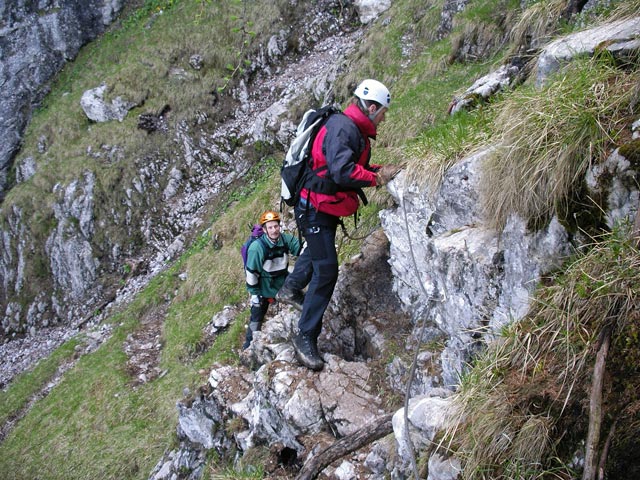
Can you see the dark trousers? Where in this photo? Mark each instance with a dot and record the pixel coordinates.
(255, 321)
(317, 267)
(300, 277)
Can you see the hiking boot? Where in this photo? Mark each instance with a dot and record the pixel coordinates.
(291, 296)
(307, 352)
(253, 327)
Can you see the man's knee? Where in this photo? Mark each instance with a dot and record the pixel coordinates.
(328, 272)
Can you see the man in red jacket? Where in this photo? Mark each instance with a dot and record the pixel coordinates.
(340, 157)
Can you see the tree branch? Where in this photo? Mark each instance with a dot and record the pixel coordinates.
(636, 229)
(346, 445)
(605, 451)
(595, 408)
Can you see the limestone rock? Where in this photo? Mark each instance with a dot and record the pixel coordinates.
(370, 10)
(37, 39)
(621, 38)
(483, 88)
(97, 109)
(465, 267)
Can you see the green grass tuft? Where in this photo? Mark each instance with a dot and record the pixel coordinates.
(548, 139)
(532, 384)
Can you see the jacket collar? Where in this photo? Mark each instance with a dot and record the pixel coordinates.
(364, 124)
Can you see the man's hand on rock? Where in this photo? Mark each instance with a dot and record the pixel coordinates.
(386, 173)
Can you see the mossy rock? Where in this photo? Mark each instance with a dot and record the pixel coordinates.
(631, 151)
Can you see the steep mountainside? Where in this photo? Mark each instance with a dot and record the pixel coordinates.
(485, 321)
(97, 201)
(36, 40)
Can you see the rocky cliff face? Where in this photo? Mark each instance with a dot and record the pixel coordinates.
(36, 39)
(450, 281)
(137, 222)
(458, 282)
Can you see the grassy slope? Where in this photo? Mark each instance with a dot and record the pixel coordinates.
(93, 425)
(145, 61)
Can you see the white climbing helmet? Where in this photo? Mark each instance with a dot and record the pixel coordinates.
(373, 90)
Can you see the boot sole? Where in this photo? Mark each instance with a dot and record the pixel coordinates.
(291, 303)
(306, 363)
(310, 366)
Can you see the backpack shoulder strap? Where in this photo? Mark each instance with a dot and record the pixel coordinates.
(322, 114)
(261, 241)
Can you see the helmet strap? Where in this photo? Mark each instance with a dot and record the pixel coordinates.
(366, 109)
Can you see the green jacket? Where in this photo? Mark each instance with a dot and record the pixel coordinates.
(268, 264)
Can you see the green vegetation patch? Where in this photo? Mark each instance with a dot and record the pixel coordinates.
(525, 404)
(547, 139)
(93, 424)
(28, 384)
(443, 145)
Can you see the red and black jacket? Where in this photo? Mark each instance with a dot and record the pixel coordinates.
(340, 155)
